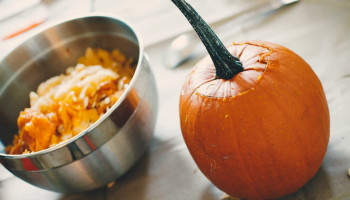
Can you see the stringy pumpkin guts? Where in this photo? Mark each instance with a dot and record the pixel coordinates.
(67, 104)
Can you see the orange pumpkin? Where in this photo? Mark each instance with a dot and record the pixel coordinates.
(261, 134)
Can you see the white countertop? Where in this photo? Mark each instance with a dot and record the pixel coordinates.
(317, 30)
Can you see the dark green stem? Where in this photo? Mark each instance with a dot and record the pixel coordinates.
(226, 65)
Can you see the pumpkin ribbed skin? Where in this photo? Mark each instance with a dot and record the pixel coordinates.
(262, 134)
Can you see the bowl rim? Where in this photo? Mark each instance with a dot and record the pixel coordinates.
(111, 109)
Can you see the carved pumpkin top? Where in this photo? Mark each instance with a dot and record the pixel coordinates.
(254, 62)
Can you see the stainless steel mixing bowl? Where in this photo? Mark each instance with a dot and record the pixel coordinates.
(111, 145)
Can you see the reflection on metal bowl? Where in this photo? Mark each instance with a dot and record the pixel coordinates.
(109, 147)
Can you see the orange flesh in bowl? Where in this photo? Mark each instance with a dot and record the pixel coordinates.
(67, 104)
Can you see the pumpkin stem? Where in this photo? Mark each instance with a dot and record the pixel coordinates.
(226, 65)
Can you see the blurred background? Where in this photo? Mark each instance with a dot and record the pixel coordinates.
(317, 30)
(147, 16)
